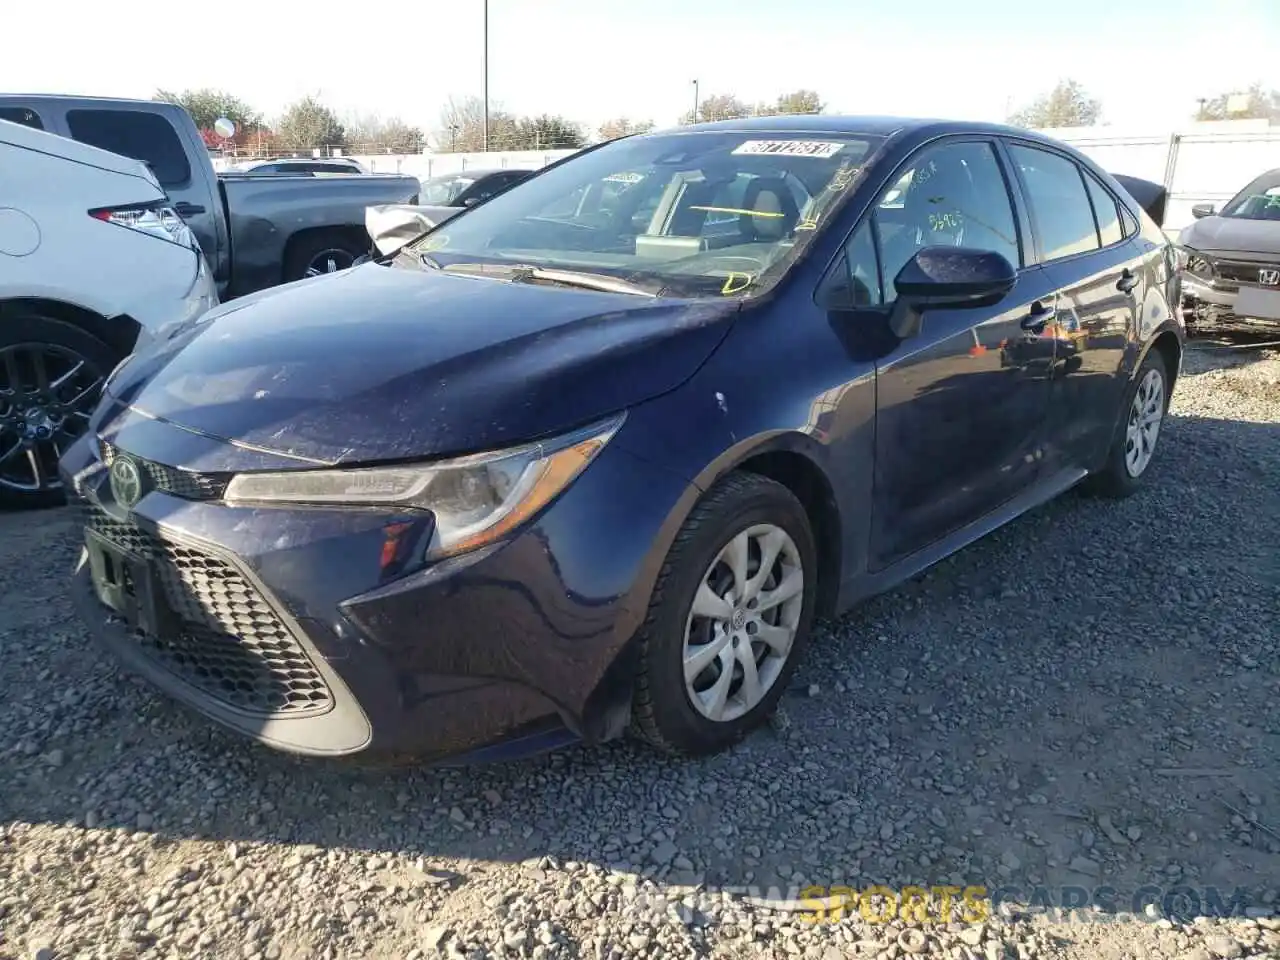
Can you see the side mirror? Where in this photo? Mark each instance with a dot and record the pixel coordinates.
(948, 278)
(1202, 210)
(470, 201)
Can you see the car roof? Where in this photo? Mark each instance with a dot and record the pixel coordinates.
(845, 125)
(477, 174)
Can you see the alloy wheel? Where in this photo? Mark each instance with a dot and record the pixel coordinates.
(47, 394)
(1146, 414)
(329, 261)
(743, 623)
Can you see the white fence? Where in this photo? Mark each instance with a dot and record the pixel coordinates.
(1203, 163)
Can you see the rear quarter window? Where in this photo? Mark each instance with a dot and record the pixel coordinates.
(24, 116)
(148, 137)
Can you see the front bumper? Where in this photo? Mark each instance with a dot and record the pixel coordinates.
(289, 626)
(1212, 304)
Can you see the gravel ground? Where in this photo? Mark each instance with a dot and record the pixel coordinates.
(1083, 700)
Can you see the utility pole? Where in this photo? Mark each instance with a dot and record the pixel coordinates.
(486, 76)
(695, 102)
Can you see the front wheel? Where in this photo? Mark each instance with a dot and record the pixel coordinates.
(730, 615)
(1146, 401)
(51, 376)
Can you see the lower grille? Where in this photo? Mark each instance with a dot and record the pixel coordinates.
(229, 644)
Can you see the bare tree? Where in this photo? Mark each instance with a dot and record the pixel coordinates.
(369, 133)
(1257, 104)
(1066, 105)
(461, 127)
(623, 127)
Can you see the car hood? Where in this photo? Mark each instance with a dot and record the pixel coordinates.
(1229, 235)
(386, 362)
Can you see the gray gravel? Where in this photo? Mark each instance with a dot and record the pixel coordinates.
(1087, 698)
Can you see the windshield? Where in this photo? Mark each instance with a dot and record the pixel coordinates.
(687, 214)
(442, 191)
(1260, 200)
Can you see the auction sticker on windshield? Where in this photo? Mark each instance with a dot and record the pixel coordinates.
(820, 149)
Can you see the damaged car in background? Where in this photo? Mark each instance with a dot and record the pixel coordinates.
(591, 457)
(1231, 261)
(391, 225)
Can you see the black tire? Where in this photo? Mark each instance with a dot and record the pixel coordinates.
(23, 327)
(662, 714)
(1114, 479)
(302, 253)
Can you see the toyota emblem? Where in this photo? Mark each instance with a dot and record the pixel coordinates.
(1269, 277)
(126, 482)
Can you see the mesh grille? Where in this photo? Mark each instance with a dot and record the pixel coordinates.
(229, 643)
(179, 483)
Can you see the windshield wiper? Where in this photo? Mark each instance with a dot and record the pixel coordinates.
(576, 278)
(528, 273)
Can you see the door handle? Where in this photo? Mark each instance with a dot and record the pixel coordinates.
(1037, 318)
(1128, 280)
(184, 209)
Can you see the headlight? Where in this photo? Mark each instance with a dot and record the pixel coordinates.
(475, 500)
(1194, 263)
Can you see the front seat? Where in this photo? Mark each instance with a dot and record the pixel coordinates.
(774, 211)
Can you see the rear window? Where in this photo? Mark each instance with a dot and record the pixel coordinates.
(22, 115)
(148, 137)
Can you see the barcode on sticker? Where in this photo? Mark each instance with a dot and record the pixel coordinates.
(789, 148)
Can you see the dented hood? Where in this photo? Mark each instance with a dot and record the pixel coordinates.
(385, 362)
(392, 225)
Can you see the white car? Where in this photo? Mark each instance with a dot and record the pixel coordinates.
(93, 263)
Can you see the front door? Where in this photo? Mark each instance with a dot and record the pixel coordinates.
(961, 407)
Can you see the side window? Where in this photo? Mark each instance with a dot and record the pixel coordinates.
(1129, 221)
(854, 281)
(1104, 208)
(23, 116)
(953, 194)
(1058, 200)
(148, 137)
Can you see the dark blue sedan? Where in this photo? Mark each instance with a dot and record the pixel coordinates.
(590, 457)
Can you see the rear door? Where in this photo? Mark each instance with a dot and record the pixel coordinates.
(1086, 245)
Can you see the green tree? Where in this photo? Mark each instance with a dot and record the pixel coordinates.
(207, 105)
(623, 127)
(1258, 104)
(308, 124)
(1066, 105)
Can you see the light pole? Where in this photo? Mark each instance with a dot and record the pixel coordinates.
(695, 102)
(486, 76)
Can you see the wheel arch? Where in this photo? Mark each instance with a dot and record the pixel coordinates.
(119, 332)
(355, 235)
(787, 457)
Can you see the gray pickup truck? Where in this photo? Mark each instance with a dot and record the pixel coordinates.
(255, 231)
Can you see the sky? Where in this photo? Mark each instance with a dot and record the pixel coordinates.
(1148, 61)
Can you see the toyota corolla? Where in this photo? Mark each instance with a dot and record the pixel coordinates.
(591, 456)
